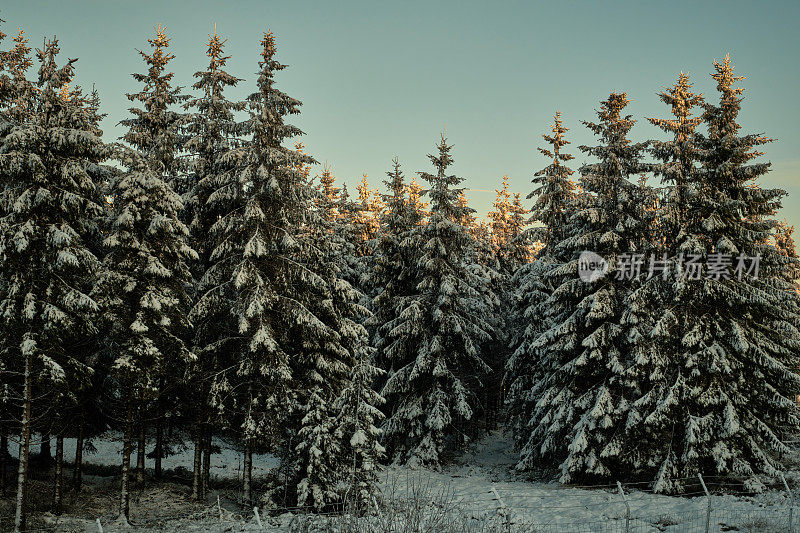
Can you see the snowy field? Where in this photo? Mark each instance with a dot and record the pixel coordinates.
(480, 493)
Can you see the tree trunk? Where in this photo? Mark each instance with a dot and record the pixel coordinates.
(77, 473)
(159, 450)
(140, 455)
(198, 461)
(125, 500)
(20, 517)
(248, 474)
(206, 458)
(58, 489)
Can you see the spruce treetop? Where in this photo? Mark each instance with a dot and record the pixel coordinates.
(554, 189)
(444, 198)
(395, 183)
(154, 128)
(680, 154)
(397, 212)
(212, 83)
(731, 213)
(681, 99)
(557, 142)
(499, 216)
(16, 92)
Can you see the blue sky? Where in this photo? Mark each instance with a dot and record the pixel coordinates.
(380, 79)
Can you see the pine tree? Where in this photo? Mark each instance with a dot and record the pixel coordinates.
(155, 131)
(48, 267)
(580, 391)
(254, 270)
(394, 274)
(339, 219)
(517, 250)
(499, 221)
(555, 203)
(367, 216)
(144, 288)
(154, 128)
(337, 410)
(723, 377)
(507, 222)
(15, 89)
(329, 193)
(358, 428)
(212, 131)
(433, 396)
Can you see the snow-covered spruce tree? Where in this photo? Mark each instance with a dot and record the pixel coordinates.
(662, 212)
(154, 130)
(338, 440)
(338, 219)
(501, 226)
(358, 425)
(485, 263)
(434, 395)
(367, 216)
(511, 252)
(64, 406)
(212, 131)
(256, 273)
(394, 273)
(5, 92)
(85, 414)
(14, 85)
(518, 250)
(48, 267)
(554, 191)
(581, 392)
(717, 397)
(329, 194)
(143, 288)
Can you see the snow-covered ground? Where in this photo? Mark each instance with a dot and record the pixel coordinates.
(480, 493)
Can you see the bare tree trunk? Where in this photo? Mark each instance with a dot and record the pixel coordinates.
(198, 460)
(20, 517)
(206, 458)
(248, 474)
(140, 448)
(125, 500)
(77, 468)
(58, 490)
(159, 450)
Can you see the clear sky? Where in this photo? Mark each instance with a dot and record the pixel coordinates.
(380, 79)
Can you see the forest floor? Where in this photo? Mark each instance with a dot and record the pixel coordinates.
(480, 492)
